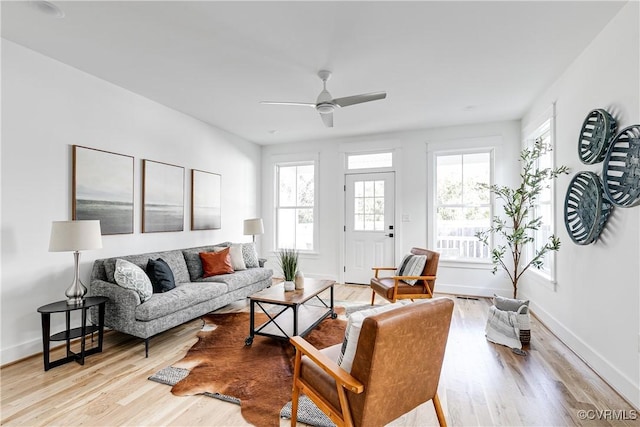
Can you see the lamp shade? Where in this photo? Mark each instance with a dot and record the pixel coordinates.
(253, 226)
(67, 236)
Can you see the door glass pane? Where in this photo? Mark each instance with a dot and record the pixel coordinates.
(368, 206)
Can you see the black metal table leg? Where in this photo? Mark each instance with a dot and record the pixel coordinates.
(46, 331)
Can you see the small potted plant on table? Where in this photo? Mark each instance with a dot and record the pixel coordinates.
(288, 260)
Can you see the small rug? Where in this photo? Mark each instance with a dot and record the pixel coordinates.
(220, 365)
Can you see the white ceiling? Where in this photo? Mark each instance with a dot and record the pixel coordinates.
(441, 63)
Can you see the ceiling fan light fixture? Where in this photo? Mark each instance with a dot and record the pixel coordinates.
(325, 108)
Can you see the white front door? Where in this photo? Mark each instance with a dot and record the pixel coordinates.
(369, 224)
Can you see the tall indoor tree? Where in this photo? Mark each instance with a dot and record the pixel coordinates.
(518, 228)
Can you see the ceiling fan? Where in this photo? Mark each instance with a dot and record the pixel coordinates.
(325, 104)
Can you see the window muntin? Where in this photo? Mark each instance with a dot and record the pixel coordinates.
(462, 208)
(295, 206)
(370, 160)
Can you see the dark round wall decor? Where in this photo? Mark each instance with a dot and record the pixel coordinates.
(621, 169)
(595, 136)
(585, 209)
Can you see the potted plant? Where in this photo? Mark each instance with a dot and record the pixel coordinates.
(288, 260)
(517, 230)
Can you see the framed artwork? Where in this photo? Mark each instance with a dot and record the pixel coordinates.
(162, 197)
(102, 189)
(205, 200)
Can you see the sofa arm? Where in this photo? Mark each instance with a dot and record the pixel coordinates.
(121, 307)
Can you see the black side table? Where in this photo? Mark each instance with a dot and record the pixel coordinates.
(69, 334)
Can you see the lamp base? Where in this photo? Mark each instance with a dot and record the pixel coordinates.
(76, 292)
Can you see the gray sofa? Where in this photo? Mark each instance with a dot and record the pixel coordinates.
(192, 297)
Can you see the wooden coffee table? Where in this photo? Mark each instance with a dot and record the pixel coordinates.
(297, 312)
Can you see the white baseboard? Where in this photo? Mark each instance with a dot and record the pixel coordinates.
(20, 351)
(467, 290)
(621, 383)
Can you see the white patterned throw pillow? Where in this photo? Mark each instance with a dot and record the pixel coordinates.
(352, 333)
(411, 265)
(250, 255)
(130, 276)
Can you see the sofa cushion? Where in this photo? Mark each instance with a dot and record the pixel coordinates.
(174, 259)
(161, 275)
(241, 278)
(192, 259)
(130, 276)
(215, 263)
(182, 296)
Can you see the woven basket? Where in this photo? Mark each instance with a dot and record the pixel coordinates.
(596, 134)
(585, 209)
(524, 324)
(621, 169)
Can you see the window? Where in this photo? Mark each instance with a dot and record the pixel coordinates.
(295, 206)
(543, 206)
(462, 209)
(370, 161)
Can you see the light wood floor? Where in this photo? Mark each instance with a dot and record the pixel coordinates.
(482, 384)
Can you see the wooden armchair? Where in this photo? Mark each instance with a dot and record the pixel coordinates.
(393, 288)
(396, 367)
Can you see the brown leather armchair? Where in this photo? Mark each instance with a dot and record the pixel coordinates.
(393, 288)
(396, 367)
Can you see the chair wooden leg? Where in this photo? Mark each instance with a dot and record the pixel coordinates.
(439, 413)
(373, 296)
(295, 395)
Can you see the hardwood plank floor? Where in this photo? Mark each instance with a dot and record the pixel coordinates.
(482, 384)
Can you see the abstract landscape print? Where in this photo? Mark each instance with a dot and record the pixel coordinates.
(103, 189)
(205, 200)
(162, 197)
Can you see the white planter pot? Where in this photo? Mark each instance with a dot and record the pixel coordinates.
(289, 285)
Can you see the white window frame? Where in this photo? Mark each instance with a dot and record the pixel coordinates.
(434, 210)
(548, 272)
(276, 180)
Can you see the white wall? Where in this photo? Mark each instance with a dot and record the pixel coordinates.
(595, 304)
(412, 168)
(47, 107)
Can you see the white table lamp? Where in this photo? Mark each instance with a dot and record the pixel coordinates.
(253, 226)
(75, 236)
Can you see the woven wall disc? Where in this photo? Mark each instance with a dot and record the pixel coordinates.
(621, 169)
(585, 209)
(598, 129)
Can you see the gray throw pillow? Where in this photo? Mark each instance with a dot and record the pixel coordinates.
(510, 304)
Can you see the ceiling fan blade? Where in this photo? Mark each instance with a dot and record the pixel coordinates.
(327, 118)
(359, 99)
(297, 104)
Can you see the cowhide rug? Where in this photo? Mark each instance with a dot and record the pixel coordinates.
(259, 375)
